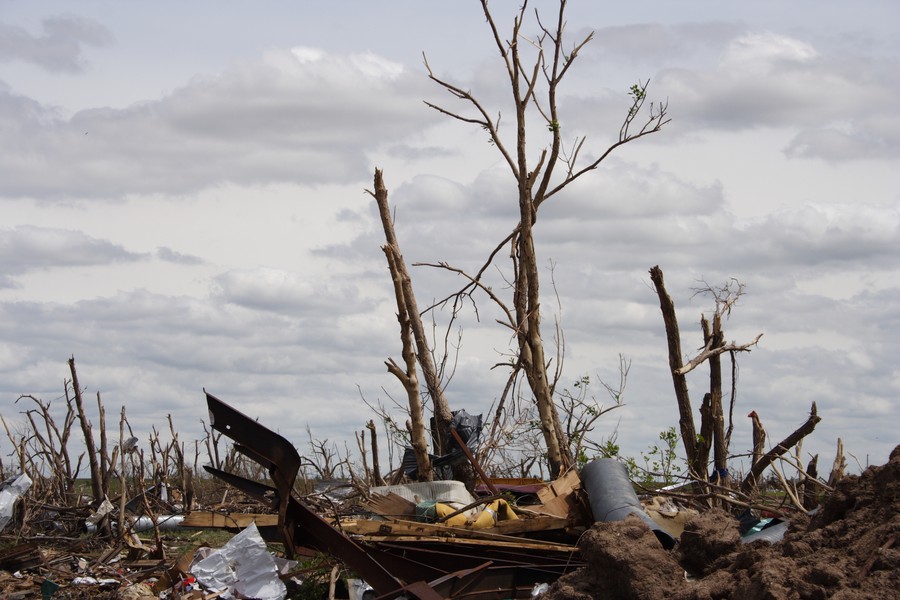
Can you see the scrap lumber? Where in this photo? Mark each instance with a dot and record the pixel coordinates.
(558, 498)
(389, 505)
(389, 529)
(520, 526)
(514, 544)
(214, 520)
(22, 556)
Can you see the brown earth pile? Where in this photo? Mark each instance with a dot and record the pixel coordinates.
(848, 550)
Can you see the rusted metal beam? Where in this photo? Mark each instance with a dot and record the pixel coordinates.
(474, 462)
(300, 525)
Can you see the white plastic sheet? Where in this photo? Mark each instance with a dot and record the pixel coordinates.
(243, 568)
(105, 508)
(10, 490)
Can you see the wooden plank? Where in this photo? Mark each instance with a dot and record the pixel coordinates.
(528, 525)
(390, 505)
(145, 563)
(515, 545)
(417, 530)
(23, 556)
(557, 499)
(214, 520)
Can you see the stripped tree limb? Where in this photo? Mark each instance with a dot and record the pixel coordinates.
(709, 352)
(96, 477)
(410, 318)
(408, 376)
(686, 415)
(786, 444)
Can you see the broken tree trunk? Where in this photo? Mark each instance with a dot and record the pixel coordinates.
(840, 463)
(422, 350)
(406, 313)
(720, 451)
(686, 416)
(759, 438)
(810, 501)
(704, 438)
(409, 377)
(376, 467)
(750, 481)
(96, 477)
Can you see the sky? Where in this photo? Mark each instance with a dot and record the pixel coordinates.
(183, 191)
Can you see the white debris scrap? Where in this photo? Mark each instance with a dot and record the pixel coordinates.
(10, 490)
(243, 568)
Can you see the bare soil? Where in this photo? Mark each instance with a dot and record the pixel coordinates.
(848, 550)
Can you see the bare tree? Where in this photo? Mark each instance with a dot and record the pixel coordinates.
(412, 337)
(96, 475)
(712, 431)
(535, 68)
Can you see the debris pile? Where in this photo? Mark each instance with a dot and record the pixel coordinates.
(848, 550)
(584, 536)
(395, 552)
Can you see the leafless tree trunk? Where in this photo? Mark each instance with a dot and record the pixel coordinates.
(686, 414)
(423, 352)
(715, 339)
(96, 477)
(759, 437)
(408, 316)
(840, 463)
(123, 492)
(533, 83)
(377, 479)
(363, 455)
(712, 434)
(809, 489)
(104, 457)
(410, 380)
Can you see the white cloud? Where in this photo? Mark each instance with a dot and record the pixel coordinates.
(60, 47)
(281, 119)
(764, 53)
(27, 248)
(307, 55)
(840, 104)
(287, 292)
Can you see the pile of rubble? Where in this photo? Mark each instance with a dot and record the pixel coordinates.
(847, 550)
(584, 536)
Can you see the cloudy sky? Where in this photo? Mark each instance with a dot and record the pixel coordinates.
(182, 191)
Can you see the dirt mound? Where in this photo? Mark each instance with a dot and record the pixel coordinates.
(848, 550)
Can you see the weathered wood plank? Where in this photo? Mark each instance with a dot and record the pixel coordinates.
(389, 528)
(213, 520)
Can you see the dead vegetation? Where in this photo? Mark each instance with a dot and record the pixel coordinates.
(141, 535)
(461, 515)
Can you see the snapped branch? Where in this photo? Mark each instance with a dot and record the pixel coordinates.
(709, 352)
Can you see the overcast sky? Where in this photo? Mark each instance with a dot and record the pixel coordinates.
(182, 191)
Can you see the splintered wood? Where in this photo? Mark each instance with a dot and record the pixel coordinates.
(558, 497)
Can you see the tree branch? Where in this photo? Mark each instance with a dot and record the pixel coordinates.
(709, 352)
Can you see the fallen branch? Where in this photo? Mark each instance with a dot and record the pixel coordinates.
(875, 554)
(787, 488)
(749, 483)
